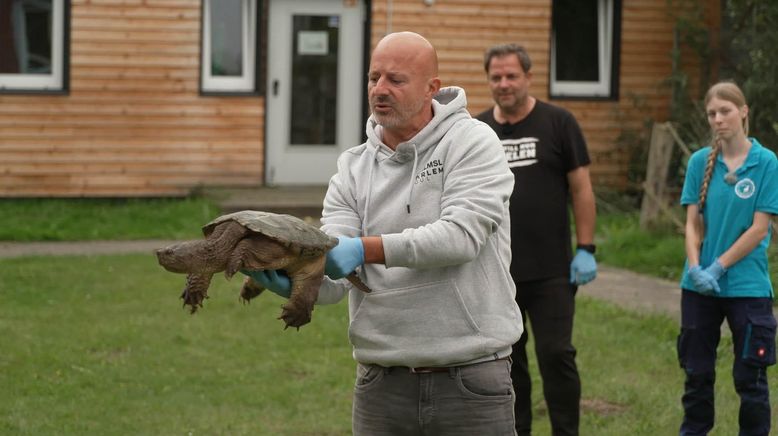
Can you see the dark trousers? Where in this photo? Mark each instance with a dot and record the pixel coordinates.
(549, 306)
(753, 327)
(462, 401)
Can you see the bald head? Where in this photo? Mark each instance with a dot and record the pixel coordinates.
(412, 49)
(401, 83)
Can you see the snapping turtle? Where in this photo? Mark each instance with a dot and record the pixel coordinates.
(253, 240)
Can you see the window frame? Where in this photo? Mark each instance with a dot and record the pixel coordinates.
(57, 81)
(247, 83)
(608, 46)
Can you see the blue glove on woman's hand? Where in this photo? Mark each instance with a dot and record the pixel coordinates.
(275, 281)
(345, 257)
(715, 269)
(583, 268)
(703, 280)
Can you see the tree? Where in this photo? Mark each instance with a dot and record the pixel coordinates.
(749, 56)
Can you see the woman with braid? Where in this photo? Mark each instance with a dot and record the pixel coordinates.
(730, 193)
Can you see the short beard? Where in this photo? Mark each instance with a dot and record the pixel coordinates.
(513, 109)
(399, 116)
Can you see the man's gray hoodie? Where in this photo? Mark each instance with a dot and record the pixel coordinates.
(440, 203)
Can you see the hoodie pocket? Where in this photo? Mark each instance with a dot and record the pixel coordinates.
(425, 317)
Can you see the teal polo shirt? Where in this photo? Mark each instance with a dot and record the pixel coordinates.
(729, 211)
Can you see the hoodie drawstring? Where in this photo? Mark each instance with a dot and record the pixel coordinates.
(369, 191)
(413, 178)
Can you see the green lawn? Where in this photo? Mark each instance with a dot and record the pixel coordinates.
(93, 219)
(101, 345)
(621, 242)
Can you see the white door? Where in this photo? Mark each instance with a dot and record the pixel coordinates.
(314, 88)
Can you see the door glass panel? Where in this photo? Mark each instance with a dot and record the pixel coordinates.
(226, 37)
(314, 79)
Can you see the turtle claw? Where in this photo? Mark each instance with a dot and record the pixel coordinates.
(195, 291)
(288, 324)
(193, 300)
(294, 317)
(250, 290)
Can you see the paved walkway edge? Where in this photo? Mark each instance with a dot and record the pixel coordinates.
(66, 248)
(635, 291)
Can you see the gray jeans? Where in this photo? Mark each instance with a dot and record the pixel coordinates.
(466, 400)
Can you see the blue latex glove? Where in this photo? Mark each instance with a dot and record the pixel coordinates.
(344, 258)
(583, 268)
(703, 280)
(275, 281)
(716, 271)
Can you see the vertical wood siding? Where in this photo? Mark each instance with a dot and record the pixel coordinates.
(462, 29)
(133, 123)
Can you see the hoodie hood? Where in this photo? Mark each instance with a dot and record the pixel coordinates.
(448, 106)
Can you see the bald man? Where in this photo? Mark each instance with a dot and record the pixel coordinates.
(421, 212)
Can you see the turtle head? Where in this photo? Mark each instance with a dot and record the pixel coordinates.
(179, 258)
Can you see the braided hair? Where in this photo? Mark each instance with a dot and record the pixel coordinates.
(706, 175)
(728, 91)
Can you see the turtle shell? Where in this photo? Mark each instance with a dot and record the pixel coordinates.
(286, 229)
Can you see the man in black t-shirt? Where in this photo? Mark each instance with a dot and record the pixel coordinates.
(547, 154)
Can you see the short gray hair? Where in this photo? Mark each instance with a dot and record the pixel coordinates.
(501, 50)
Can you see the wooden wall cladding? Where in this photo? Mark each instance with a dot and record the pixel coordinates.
(462, 29)
(134, 122)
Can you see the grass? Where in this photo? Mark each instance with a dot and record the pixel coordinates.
(101, 345)
(94, 219)
(620, 242)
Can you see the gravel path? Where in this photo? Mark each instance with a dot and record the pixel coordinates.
(18, 249)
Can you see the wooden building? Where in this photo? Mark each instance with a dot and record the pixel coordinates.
(159, 97)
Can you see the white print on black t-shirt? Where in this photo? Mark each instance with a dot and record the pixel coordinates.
(432, 168)
(521, 152)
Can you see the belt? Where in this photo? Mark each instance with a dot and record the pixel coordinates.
(431, 369)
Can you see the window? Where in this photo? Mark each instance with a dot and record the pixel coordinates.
(32, 45)
(584, 51)
(229, 46)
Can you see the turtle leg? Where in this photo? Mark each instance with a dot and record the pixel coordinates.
(196, 290)
(250, 290)
(306, 280)
(257, 252)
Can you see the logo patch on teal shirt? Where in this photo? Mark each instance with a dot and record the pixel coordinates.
(745, 188)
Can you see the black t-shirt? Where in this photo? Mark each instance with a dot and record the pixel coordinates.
(541, 149)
